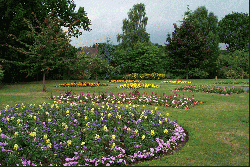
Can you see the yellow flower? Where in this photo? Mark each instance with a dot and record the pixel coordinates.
(166, 119)
(155, 108)
(101, 118)
(165, 131)
(87, 124)
(128, 129)
(143, 105)
(97, 136)
(109, 115)
(136, 131)
(105, 128)
(86, 117)
(48, 141)
(49, 120)
(34, 117)
(46, 113)
(80, 101)
(66, 127)
(67, 111)
(18, 120)
(160, 122)
(152, 132)
(49, 145)
(143, 137)
(82, 143)
(15, 146)
(16, 134)
(69, 142)
(33, 134)
(78, 114)
(45, 136)
(0, 130)
(113, 145)
(12, 118)
(167, 114)
(113, 137)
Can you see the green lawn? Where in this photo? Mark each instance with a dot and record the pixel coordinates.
(218, 129)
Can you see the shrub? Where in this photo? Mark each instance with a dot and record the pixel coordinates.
(1, 74)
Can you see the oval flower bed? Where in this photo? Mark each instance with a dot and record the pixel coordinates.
(232, 82)
(137, 85)
(179, 81)
(210, 89)
(130, 98)
(84, 134)
(81, 84)
(123, 81)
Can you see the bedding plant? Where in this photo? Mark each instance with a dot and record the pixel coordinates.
(210, 89)
(138, 85)
(84, 134)
(135, 97)
(82, 84)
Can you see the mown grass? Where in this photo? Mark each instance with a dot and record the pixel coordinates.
(218, 129)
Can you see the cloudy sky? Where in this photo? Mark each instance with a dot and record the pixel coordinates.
(107, 17)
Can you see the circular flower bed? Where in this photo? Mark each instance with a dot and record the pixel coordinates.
(84, 134)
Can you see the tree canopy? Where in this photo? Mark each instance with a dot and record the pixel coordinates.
(134, 28)
(234, 30)
(15, 10)
(188, 50)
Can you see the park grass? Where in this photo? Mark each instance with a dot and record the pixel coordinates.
(218, 129)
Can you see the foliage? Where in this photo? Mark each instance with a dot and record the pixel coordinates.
(14, 11)
(1, 73)
(187, 49)
(48, 45)
(233, 64)
(134, 28)
(141, 59)
(236, 36)
(145, 76)
(206, 24)
(210, 89)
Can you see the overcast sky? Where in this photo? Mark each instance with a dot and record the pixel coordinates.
(107, 17)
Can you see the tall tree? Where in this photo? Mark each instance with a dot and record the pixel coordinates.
(43, 55)
(134, 28)
(206, 23)
(188, 50)
(14, 10)
(234, 30)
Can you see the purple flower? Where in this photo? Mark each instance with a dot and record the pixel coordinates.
(107, 164)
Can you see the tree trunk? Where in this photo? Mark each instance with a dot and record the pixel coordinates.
(44, 88)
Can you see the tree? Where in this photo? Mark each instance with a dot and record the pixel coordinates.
(234, 30)
(188, 50)
(206, 23)
(43, 55)
(14, 10)
(141, 59)
(134, 28)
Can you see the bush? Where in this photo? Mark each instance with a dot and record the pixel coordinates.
(141, 59)
(1, 74)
